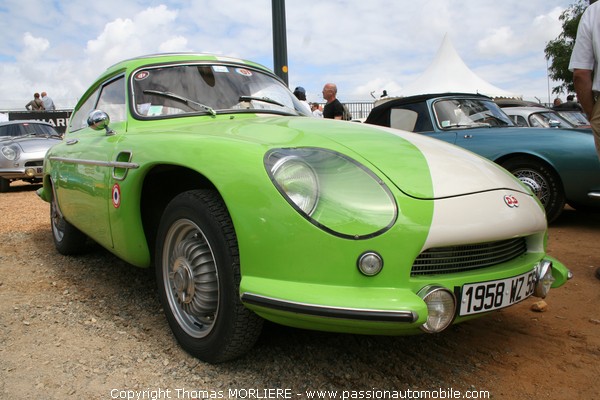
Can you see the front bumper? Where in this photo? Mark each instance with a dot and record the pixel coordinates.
(33, 172)
(366, 310)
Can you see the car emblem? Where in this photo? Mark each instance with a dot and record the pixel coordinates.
(116, 195)
(511, 201)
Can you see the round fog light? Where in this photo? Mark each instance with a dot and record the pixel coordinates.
(30, 172)
(441, 306)
(545, 279)
(370, 263)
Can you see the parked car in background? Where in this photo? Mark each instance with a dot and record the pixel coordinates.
(576, 118)
(536, 117)
(205, 168)
(559, 165)
(23, 145)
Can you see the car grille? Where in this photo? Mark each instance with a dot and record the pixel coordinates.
(34, 163)
(447, 260)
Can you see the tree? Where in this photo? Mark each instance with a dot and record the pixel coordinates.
(559, 50)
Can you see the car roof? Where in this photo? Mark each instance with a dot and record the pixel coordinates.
(158, 58)
(506, 103)
(526, 111)
(383, 107)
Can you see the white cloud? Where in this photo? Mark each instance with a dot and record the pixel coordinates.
(362, 46)
(33, 47)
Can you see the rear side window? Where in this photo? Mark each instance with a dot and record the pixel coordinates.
(412, 117)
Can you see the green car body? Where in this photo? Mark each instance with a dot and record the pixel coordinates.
(252, 210)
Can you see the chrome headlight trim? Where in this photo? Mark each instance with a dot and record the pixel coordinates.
(544, 279)
(11, 153)
(440, 311)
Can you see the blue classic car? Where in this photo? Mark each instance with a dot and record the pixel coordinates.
(559, 165)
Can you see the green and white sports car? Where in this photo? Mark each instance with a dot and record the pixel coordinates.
(204, 168)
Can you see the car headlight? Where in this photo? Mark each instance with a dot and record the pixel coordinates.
(10, 152)
(299, 182)
(441, 305)
(333, 191)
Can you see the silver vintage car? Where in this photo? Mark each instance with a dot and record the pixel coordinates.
(23, 145)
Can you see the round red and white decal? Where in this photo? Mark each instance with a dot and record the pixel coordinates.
(511, 201)
(116, 195)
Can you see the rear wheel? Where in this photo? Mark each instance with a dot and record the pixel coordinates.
(68, 240)
(198, 276)
(542, 180)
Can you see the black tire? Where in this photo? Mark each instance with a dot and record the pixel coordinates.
(198, 277)
(542, 180)
(68, 240)
(4, 185)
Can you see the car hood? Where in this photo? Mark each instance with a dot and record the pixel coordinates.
(33, 144)
(453, 171)
(419, 166)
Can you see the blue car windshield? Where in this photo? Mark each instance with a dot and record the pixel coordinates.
(207, 88)
(469, 113)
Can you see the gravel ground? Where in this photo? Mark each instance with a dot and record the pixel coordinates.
(91, 327)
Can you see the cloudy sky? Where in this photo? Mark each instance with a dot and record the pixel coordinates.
(363, 46)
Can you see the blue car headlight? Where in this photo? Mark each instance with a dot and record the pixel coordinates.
(10, 152)
(333, 191)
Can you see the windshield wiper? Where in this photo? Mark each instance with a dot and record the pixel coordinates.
(264, 99)
(185, 100)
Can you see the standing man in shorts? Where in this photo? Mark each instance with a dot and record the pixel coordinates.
(584, 65)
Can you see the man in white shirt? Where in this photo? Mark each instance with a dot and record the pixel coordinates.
(48, 103)
(584, 65)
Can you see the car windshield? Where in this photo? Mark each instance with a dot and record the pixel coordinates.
(26, 129)
(469, 113)
(576, 118)
(548, 120)
(209, 89)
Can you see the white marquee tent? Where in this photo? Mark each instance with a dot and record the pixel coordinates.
(449, 73)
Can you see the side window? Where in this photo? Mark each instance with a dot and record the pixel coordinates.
(109, 98)
(112, 100)
(79, 117)
(403, 119)
(412, 117)
(520, 121)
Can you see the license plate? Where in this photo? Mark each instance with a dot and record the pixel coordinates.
(493, 295)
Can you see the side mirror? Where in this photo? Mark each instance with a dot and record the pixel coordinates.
(554, 123)
(98, 120)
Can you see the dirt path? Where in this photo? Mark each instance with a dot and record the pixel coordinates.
(91, 327)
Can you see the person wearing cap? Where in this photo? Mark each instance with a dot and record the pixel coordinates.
(300, 94)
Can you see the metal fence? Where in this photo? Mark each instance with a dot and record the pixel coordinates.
(358, 109)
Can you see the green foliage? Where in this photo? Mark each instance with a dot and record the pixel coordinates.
(559, 50)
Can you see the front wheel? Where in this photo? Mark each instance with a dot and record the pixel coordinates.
(198, 276)
(68, 240)
(543, 182)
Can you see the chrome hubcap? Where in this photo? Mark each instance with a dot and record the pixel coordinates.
(190, 278)
(536, 183)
